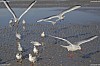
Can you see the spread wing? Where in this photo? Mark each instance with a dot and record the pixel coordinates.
(63, 46)
(48, 18)
(51, 17)
(30, 6)
(84, 41)
(9, 8)
(70, 9)
(61, 39)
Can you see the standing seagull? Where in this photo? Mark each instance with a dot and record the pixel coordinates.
(42, 34)
(35, 50)
(59, 16)
(32, 59)
(20, 49)
(18, 35)
(19, 57)
(24, 24)
(16, 19)
(76, 45)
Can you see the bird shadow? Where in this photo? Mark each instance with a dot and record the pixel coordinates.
(89, 54)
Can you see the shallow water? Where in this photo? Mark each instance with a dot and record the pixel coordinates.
(77, 16)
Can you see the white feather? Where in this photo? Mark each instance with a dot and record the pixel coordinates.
(18, 35)
(35, 50)
(35, 43)
(42, 34)
(20, 47)
(76, 46)
(18, 56)
(32, 59)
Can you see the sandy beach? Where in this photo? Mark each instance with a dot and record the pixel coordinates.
(78, 25)
(52, 54)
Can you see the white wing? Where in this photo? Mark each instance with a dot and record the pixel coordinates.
(9, 8)
(27, 9)
(63, 46)
(71, 9)
(48, 18)
(51, 17)
(61, 39)
(84, 41)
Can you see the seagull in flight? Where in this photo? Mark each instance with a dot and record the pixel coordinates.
(60, 16)
(74, 46)
(16, 19)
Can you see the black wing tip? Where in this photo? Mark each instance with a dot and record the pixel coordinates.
(34, 1)
(77, 5)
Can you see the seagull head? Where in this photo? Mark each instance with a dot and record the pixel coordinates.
(30, 55)
(78, 48)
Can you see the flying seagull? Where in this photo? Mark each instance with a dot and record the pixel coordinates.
(16, 19)
(74, 46)
(60, 16)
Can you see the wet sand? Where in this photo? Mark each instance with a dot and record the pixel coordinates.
(52, 54)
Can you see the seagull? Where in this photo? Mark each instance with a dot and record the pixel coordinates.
(24, 24)
(10, 9)
(16, 19)
(18, 35)
(42, 34)
(35, 43)
(32, 59)
(35, 50)
(19, 57)
(74, 46)
(10, 23)
(60, 16)
(20, 47)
